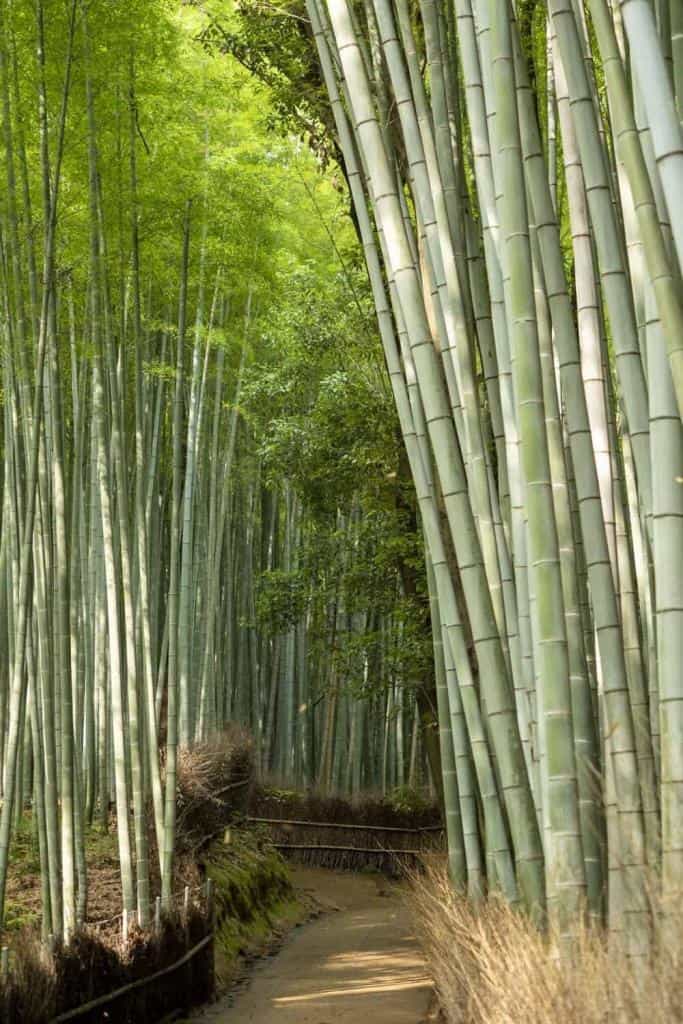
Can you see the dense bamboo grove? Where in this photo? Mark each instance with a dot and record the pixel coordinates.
(163, 570)
(516, 174)
(217, 495)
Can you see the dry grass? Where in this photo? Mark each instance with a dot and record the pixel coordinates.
(214, 784)
(491, 966)
(28, 997)
(42, 985)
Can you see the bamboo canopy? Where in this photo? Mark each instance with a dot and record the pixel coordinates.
(163, 573)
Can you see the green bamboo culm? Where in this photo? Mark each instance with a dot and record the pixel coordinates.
(583, 391)
(482, 593)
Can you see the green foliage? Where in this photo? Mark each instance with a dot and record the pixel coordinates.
(280, 600)
(407, 800)
(215, 95)
(275, 45)
(202, 126)
(323, 423)
(24, 854)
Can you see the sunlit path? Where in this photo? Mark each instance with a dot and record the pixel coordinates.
(360, 963)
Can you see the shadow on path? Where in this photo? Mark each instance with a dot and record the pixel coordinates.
(357, 965)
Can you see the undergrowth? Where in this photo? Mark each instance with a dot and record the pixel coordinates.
(402, 808)
(492, 966)
(214, 781)
(43, 985)
(23, 897)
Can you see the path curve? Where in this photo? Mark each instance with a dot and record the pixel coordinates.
(358, 964)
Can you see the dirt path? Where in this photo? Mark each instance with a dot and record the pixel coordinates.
(357, 965)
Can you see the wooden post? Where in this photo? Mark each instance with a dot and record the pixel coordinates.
(157, 916)
(210, 908)
(4, 964)
(210, 928)
(186, 905)
(186, 925)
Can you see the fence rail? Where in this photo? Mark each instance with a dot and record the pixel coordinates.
(358, 848)
(342, 825)
(393, 852)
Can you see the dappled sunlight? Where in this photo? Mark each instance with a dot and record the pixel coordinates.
(393, 985)
(359, 962)
(361, 973)
(357, 959)
(367, 973)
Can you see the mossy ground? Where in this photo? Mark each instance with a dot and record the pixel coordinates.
(255, 901)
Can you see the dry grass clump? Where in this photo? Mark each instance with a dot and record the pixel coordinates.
(28, 996)
(492, 966)
(214, 784)
(41, 986)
